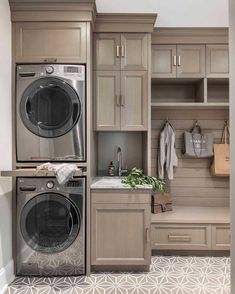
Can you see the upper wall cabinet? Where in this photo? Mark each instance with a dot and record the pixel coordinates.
(120, 51)
(217, 61)
(121, 100)
(107, 51)
(50, 41)
(183, 61)
(164, 61)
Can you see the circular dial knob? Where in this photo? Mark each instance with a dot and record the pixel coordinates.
(49, 69)
(50, 184)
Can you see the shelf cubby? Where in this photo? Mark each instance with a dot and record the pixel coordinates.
(218, 90)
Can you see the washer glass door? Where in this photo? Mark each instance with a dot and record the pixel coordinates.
(50, 107)
(50, 223)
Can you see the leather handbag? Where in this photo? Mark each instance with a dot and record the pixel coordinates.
(161, 203)
(197, 144)
(221, 163)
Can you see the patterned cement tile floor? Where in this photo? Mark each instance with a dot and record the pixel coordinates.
(168, 275)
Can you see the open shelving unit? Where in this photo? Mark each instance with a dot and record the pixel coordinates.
(206, 93)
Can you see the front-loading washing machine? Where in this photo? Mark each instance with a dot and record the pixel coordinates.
(50, 227)
(50, 113)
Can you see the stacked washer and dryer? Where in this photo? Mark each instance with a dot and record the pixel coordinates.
(50, 126)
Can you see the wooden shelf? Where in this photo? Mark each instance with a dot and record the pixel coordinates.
(31, 172)
(185, 105)
(188, 214)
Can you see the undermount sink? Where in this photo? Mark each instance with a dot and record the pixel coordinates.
(113, 182)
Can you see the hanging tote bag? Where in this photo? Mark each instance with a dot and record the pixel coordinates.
(221, 163)
(197, 144)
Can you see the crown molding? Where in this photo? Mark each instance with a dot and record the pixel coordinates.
(190, 35)
(34, 11)
(125, 22)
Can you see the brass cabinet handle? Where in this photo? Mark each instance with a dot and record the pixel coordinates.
(122, 100)
(118, 51)
(147, 235)
(117, 100)
(123, 51)
(180, 238)
(179, 60)
(174, 60)
(50, 60)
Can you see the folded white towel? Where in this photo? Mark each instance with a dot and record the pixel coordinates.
(63, 172)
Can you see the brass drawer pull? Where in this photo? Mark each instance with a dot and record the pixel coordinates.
(180, 238)
(179, 60)
(174, 60)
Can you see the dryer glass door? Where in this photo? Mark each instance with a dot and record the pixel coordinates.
(50, 107)
(50, 223)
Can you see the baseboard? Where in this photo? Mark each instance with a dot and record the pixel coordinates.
(6, 276)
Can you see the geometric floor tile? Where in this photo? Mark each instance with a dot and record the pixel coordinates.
(167, 275)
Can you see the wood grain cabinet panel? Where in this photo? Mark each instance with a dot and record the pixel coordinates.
(107, 51)
(134, 51)
(178, 61)
(191, 61)
(56, 41)
(220, 237)
(175, 236)
(163, 61)
(217, 61)
(107, 93)
(134, 85)
(120, 233)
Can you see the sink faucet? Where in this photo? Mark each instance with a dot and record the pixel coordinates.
(119, 159)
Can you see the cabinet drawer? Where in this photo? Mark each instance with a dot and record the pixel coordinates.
(177, 236)
(220, 237)
(119, 197)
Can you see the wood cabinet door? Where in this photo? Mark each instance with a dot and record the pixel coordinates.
(217, 61)
(220, 237)
(107, 100)
(120, 234)
(134, 102)
(163, 61)
(134, 51)
(50, 42)
(190, 61)
(107, 51)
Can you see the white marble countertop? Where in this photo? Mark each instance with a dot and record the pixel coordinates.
(114, 183)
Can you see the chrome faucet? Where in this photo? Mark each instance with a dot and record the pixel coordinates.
(119, 160)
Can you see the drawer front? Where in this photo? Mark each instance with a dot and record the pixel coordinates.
(120, 196)
(180, 236)
(220, 237)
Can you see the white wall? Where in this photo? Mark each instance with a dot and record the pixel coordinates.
(174, 13)
(6, 263)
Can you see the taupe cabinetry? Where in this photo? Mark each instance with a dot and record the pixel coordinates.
(220, 237)
(63, 42)
(191, 228)
(121, 100)
(182, 61)
(217, 61)
(120, 227)
(120, 51)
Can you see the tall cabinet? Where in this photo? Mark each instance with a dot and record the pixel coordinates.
(121, 83)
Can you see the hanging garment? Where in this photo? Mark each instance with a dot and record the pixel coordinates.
(167, 158)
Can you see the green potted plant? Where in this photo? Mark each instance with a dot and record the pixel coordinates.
(161, 201)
